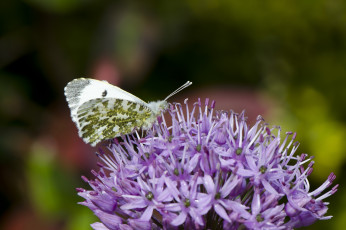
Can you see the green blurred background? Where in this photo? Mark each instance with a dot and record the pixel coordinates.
(283, 59)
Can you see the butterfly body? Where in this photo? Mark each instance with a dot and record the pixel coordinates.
(102, 111)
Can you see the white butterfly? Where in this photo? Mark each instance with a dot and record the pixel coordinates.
(103, 111)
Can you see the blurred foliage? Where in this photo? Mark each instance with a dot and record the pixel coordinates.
(292, 52)
(51, 189)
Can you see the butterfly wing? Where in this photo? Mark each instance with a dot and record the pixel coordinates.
(105, 118)
(81, 90)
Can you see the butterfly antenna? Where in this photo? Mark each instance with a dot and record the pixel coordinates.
(187, 84)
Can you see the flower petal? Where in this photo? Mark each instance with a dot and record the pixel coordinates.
(222, 212)
(180, 219)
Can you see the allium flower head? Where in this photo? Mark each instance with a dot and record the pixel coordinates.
(208, 170)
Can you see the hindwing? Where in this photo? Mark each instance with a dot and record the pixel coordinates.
(105, 118)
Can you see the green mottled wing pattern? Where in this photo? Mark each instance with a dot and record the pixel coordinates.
(105, 118)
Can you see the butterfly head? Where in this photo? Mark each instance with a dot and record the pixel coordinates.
(158, 106)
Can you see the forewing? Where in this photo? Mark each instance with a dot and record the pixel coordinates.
(81, 90)
(105, 118)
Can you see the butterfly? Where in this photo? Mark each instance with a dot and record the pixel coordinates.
(103, 111)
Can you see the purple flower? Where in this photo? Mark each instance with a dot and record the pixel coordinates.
(208, 170)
